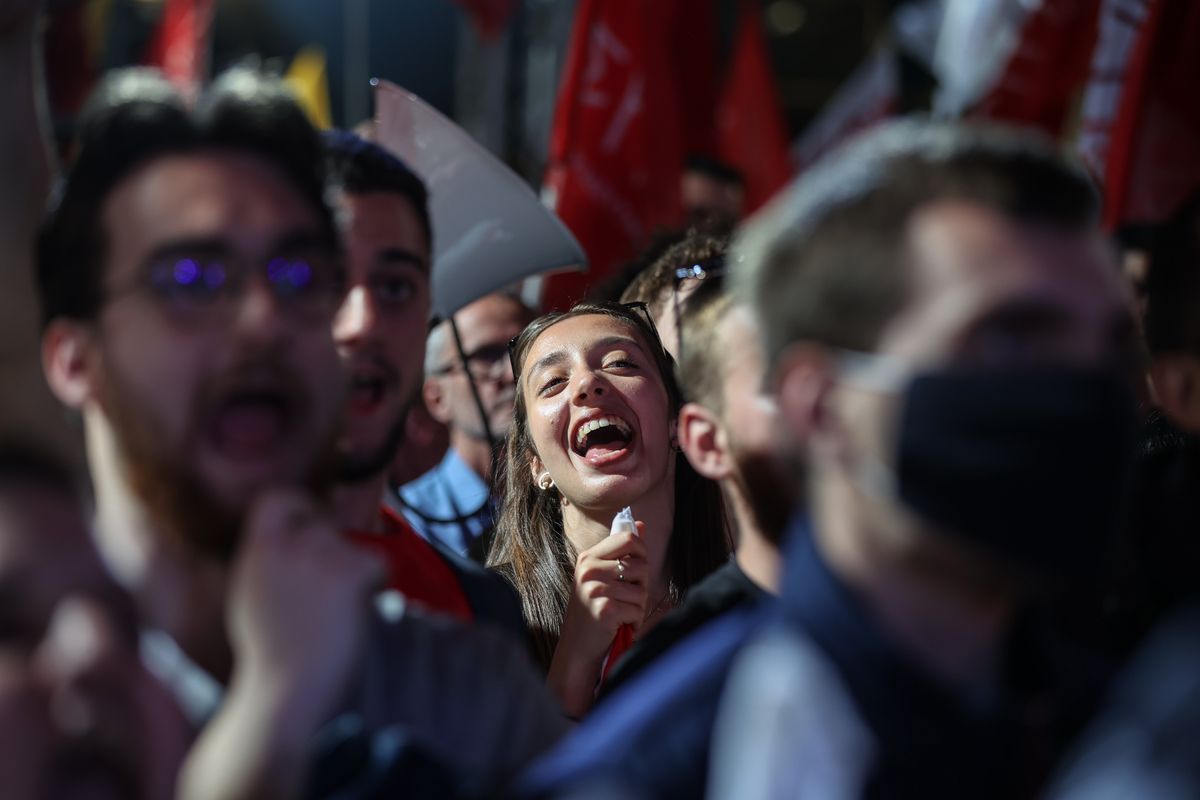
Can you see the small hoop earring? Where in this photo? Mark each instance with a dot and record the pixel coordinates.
(545, 482)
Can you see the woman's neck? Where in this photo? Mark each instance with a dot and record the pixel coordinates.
(655, 510)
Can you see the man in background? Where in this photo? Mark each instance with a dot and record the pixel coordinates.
(713, 194)
(731, 433)
(669, 281)
(950, 338)
(1161, 559)
(384, 221)
(452, 503)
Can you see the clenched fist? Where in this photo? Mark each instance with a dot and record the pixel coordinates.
(299, 597)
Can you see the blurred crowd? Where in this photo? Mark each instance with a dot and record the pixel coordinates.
(889, 490)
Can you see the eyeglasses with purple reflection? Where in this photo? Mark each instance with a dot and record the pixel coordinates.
(206, 283)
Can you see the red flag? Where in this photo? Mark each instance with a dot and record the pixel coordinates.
(1047, 70)
(752, 134)
(180, 43)
(695, 63)
(489, 16)
(1152, 163)
(1117, 35)
(618, 144)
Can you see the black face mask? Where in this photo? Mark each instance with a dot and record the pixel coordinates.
(1031, 464)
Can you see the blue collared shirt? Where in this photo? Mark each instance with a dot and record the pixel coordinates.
(449, 505)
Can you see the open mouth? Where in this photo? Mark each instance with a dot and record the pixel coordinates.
(366, 393)
(602, 439)
(250, 423)
(369, 385)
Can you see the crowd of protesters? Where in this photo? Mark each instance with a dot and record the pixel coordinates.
(887, 491)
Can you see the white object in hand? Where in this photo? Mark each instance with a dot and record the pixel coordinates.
(623, 522)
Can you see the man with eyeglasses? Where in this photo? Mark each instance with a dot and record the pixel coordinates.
(190, 274)
(451, 504)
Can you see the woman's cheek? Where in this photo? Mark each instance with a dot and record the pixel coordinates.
(551, 421)
(649, 403)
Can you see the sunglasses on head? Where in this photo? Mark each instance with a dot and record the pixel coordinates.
(707, 269)
(712, 272)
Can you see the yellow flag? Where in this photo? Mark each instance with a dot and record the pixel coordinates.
(308, 82)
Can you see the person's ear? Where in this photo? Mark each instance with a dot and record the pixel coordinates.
(703, 440)
(436, 400)
(1176, 381)
(68, 349)
(535, 468)
(804, 382)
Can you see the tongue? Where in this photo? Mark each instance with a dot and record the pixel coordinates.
(604, 442)
(604, 448)
(248, 428)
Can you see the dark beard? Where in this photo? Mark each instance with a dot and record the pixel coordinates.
(358, 468)
(173, 493)
(767, 484)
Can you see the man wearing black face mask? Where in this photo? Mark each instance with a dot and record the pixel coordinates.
(947, 337)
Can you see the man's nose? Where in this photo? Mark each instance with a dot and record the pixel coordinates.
(260, 315)
(355, 318)
(504, 372)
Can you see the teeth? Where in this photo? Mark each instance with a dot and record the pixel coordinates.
(602, 422)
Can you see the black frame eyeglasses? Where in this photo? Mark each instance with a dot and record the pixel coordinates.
(482, 363)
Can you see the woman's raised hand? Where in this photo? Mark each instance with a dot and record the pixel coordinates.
(610, 590)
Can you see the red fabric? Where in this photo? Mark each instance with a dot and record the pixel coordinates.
(489, 16)
(695, 73)
(1048, 69)
(751, 130)
(1123, 133)
(417, 571)
(1153, 162)
(1116, 42)
(180, 43)
(620, 133)
(621, 643)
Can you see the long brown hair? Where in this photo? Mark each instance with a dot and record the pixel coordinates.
(530, 545)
